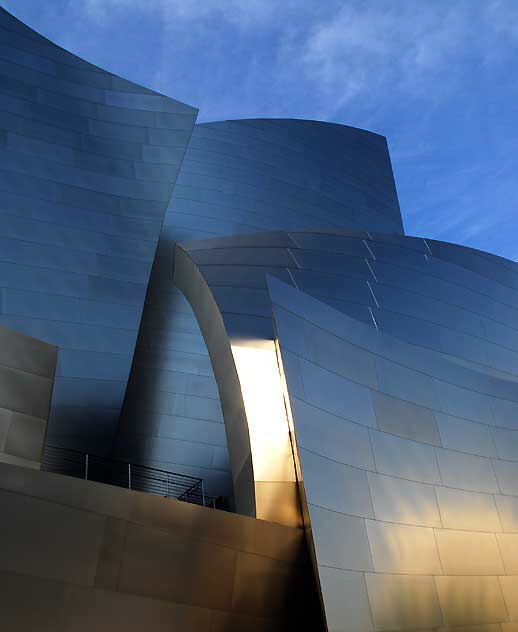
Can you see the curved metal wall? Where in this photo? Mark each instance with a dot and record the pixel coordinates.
(450, 299)
(403, 408)
(282, 174)
(238, 176)
(408, 463)
(399, 356)
(88, 161)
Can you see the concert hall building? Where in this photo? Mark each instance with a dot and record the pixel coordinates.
(234, 395)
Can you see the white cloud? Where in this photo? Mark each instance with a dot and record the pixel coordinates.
(342, 51)
(412, 49)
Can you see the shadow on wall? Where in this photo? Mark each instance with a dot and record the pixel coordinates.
(145, 562)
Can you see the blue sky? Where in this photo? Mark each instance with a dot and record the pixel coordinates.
(439, 78)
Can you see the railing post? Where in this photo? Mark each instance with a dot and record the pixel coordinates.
(167, 486)
(129, 475)
(202, 493)
(86, 467)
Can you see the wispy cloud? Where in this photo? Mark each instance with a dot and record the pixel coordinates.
(404, 49)
(345, 51)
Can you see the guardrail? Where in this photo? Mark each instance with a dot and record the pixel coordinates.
(141, 478)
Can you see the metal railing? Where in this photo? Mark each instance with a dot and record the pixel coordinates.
(141, 478)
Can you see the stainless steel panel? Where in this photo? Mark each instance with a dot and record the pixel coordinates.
(507, 507)
(159, 564)
(506, 442)
(507, 476)
(292, 365)
(331, 436)
(466, 471)
(334, 486)
(403, 549)
(510, 589)
(468, 511)
(405, 419)
(290, 329)
(406, 502)
(24, 392)
(337, 395)
(407, 459)
(25, 437)
(405, 383)
(336, 243)
(401, 602)
(340, 356)
(49, 548)
(465, 436)
(465, 553)
(471, 600)
(505, 413)
(345, 600)
(27, 354)
(508, 545)
(462, 402)
(340, 541)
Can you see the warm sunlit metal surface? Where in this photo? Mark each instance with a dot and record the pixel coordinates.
(270, 445)
(409, 494)
(452, 301)
(253, 406)
(76, 553)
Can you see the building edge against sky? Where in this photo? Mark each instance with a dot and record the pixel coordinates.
(88, 165)
(339, 379)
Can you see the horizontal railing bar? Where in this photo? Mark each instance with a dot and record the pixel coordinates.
(109, 459)
(115, 472)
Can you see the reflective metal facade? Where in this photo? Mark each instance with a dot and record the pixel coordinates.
(408, 474)
(238, 177)
(403, 408)
(88, 161)
(450, 299)
(331, 373)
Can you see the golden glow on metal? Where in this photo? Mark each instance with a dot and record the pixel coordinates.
(272, 456)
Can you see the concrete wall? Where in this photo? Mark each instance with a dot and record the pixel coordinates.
(408, 468)
(27, 368)
(77, 556)
(88, 161)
